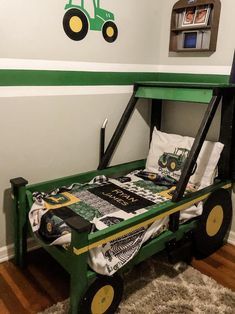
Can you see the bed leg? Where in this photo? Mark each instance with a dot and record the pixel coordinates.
(78, 273)
(20, 219)
(77, 289)
(174, 222)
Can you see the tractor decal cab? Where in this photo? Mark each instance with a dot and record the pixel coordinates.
(173, 161)
(77, 21)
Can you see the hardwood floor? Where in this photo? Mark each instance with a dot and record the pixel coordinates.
(31, 290)
(220, 266)
(44, 282)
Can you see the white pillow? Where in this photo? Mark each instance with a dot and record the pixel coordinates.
(168, 152)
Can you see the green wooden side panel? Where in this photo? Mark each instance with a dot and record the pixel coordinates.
(176, 94)
(162, 208)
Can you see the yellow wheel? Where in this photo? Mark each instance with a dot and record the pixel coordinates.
(152, 176)
(172, 165)
(110, 31)
(75, 24)
(214, 223)
(103, 296)
(102, 300)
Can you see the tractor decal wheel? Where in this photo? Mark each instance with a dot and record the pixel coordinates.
(75, 24)
(103, 296)
(110, 32)
(214, 223)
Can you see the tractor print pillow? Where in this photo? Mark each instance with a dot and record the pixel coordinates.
(171, 162)
(168, 153)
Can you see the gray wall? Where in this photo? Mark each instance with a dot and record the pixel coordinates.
(45, 137)
(184, 118)
(35, 31)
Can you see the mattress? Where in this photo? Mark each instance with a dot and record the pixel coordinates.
(105, 202)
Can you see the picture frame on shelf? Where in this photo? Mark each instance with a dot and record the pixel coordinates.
(202, 15)
(189, 16)
(195, 16)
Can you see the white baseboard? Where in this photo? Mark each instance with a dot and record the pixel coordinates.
(231, 238)
(7, 252)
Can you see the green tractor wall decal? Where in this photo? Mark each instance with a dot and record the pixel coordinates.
(173, 161)
(77, 21)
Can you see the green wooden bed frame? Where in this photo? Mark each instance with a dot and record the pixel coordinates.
(92, 293)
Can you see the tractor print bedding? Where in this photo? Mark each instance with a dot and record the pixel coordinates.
(104, 202)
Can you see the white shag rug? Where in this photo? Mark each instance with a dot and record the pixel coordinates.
(156, 286)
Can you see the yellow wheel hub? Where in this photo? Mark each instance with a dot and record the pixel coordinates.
(173, 165)
(49, 227)
(110, 31)
(102, 300)
(214, 221)
(75, 24)
(152, 176)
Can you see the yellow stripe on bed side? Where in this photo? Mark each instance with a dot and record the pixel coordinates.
(143, 224)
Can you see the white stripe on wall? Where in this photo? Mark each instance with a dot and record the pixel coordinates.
(50, 65)
(195, 69)
(30, 91)
(53, 65)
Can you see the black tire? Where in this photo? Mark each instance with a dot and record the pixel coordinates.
(213, 224)
(110, 31)
(172, 165)
(75, 24)
(103, 296)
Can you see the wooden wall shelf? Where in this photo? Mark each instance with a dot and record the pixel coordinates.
(194, 25)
